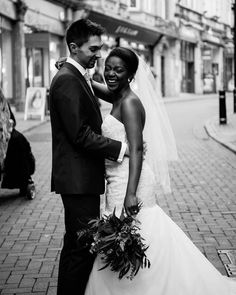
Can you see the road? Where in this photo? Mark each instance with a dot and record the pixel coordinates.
(202, 202)
(188, 117)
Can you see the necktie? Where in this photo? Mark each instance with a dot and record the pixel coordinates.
(87, 78)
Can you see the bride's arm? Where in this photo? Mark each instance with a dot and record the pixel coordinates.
(101, 91)
(132, 115)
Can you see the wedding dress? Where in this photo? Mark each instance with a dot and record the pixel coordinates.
(177, 266)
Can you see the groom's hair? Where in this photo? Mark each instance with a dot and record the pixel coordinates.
(80, 31)
(129, 57)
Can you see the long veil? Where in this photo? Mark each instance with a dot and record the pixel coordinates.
(158, 134)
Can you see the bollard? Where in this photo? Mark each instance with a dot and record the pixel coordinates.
(222, 107)
(234, 100)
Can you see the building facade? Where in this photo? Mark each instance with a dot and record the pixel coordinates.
(207, 58)
(187, 43)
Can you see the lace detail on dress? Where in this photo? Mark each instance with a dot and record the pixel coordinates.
(117, 173)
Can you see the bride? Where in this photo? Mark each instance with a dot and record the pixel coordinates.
(177, 266)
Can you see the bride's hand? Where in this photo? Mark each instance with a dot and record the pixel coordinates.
(60, 62)
(131, 204)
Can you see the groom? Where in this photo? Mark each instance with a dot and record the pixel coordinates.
(78, 150)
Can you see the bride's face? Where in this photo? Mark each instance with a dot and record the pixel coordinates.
(116, 74)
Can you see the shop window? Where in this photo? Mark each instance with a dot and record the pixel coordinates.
(135, 4)
(187, 65)
(187, 51)
(6, 80)
(34, 67)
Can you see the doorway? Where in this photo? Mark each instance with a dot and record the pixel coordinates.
(34, 67)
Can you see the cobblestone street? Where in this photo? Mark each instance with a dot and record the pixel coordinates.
(203, 203)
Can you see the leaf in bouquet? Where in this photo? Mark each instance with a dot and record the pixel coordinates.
(101, 248)
(109, 237)
(124, 271)
(136, 269)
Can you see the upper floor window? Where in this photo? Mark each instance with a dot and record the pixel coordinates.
(135, 4)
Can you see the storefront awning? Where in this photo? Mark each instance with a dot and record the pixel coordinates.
(125, 29)
(37, 40)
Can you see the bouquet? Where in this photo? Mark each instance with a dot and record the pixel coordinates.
(118, 242)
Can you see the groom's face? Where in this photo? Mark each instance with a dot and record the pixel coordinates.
(88, 53)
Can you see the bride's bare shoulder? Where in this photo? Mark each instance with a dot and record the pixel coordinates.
(132, 103)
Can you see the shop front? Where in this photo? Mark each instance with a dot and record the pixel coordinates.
(188, 46)
(42, 52)
(125, 33)
(6, 57)
(229, 67)
(187, 66)
(212, 57)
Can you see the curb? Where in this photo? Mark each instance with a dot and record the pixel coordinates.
(212, 132)
(189, 98)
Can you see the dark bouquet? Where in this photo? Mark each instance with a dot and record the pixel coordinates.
(118, 242)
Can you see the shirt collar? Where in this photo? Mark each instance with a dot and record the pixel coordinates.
(77, 65)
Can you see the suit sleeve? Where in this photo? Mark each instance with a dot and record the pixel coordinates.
(71, 109)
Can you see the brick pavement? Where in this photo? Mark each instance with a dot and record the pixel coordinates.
(202, 203)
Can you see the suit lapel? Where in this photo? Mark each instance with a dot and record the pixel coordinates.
(86, 86)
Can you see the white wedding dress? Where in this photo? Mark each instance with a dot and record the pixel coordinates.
(177, 266)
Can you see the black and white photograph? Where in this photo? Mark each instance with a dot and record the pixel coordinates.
(117, 147)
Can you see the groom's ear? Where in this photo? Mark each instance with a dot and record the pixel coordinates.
(73, 47)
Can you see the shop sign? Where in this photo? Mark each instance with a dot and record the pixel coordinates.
(188, 35)
(126, 30)
(37, 40)
(207, 54)
(211, 38)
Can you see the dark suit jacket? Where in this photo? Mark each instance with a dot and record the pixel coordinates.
(78, 149)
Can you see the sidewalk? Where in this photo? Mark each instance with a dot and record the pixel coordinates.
(27, 125)
(224, 134)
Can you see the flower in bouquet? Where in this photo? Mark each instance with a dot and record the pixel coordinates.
(118, 242)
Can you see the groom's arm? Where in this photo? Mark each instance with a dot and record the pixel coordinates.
(70, 106)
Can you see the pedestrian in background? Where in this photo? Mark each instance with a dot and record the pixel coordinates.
(19, 163)
(16, 158)
(5, 129)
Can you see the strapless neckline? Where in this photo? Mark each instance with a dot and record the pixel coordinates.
(113, 117)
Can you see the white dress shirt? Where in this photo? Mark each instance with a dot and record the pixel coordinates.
(83, 71)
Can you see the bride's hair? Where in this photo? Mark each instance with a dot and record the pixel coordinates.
(128, 56)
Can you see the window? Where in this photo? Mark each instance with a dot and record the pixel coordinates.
(34, 67)
(149, 6)
(135, 4)
(187, 51)
(6, 80)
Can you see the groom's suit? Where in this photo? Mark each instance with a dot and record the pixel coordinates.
(78, 152)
